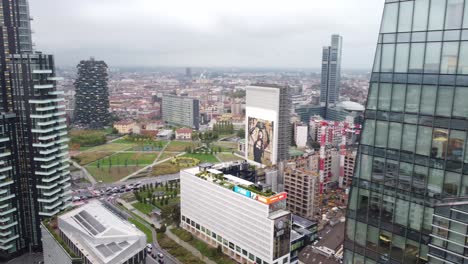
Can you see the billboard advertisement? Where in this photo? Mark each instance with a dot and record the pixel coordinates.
(272, 199)
(282, 236)
(260, 137)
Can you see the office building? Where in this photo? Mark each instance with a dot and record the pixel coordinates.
(92, 234)
(331, 72)
(301, 135)
(181, 111)
(303, 192)
(268, 130)
(413, 151)
(250, 223)
(92, 95)
(303, 233)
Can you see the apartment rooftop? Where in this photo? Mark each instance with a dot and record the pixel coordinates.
(259, 192)
(100, 235)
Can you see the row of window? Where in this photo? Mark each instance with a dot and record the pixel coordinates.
(424, 36)
(431, 57)
(420, 15)
(437, 143)
(420, 180)
(226, 243)
(424, 99)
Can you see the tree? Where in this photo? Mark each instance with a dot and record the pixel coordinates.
(171, 215)
(166, 187)
(219, 249)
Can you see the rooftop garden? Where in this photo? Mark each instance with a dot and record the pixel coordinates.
(223, 181)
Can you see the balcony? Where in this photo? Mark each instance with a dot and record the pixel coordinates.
(42, 145)
(46, 101)
(66, 205)
(53, 206)
(5, 154)
(49, 213)
(51, 158)
(67, 179)
(42, 131)
(56, 93)
(4, 219)
(6, 169)
(3, 184)
(50, 200)
(4, 139)
(41, 116)
(55, 78)
(48, 123)
(49, 151)
(43, 86)
(52, 192)
(45, 173)
(46, 187)
(48, 180)
(7, 212)
(42, 71)
(4, 227)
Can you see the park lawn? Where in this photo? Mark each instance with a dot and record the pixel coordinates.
(165, 168)
(201, 246)
(85, 158)
(226, 146)
(166, 155)
(225, 157)
(179, 146)
(111, 147)
(202, 157)
(113, 174)
(177, 251)
(143, 228)
(87, 138)
(144, 208)
(126, 159)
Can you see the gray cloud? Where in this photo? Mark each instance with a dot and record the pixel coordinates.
(250, 33)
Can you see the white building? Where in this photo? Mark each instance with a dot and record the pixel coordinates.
(95, 235)
(251, 226)
(301, 135)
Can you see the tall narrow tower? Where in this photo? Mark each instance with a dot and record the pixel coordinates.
(34, 173)
(92, 94)
(408, 201)
(331, 72)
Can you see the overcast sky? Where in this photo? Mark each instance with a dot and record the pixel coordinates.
(206, 33)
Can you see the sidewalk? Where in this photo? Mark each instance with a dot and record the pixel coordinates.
(188, 247)
(132, 209)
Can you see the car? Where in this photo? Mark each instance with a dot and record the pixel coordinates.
(148, 250)
(149, 246)
(160, 255)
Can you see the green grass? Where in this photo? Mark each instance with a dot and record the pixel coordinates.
(165, 168)
(143, 228)
(179, 146)
(202, 157)
(201, 246)
(85, 158)
(113, 174)
(127, 159)
(228, 157)
(114, 147)
(87, 138)
(177, 251)
(144, 208)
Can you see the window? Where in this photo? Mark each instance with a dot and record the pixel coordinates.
(377, 58)
(421, 11)
(368, 133)
(401, 212)
(449, 58)
(436, 15)
(372, 100)
(360, 237)
(423, 146)
(378, 169)
(419, 179)
(444, 101)
(415, 216)
(439, 143)
(453, 18)
(385, 239)
(389, 21)
(402, 57)
(381, 134)
(452, 183)
(405, 15)
(455, 145)
(350, 229)
(394, 137)
(409, 137)
(366, 167)
(372, 237)
(251, 257)
(434, 184)
(416, 58)
(398, 247)
(433, 49)
(412, 98)
(428, 99)
(285, 260)
(406, 172)
(385, 94)
(388, 54)
(463, 61)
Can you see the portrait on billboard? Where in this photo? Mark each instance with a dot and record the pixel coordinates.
(260, 134)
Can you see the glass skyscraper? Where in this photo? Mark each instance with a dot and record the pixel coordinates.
(331, 72)
(408, 199)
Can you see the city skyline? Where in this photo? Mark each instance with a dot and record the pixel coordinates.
(259, 34)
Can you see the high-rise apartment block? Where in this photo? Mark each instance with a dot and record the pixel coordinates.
(331, 72)
(92, 95)
(34, 169)
(249, 223)
(181, 111)
(302, 187)
(407, 197)
(268, 128)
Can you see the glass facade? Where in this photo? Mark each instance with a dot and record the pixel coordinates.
(414, 147)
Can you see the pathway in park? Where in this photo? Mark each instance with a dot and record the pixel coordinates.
(85, 173)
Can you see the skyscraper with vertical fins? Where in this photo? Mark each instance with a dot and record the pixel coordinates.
(409, 197)
(34, 169)
(331, 72)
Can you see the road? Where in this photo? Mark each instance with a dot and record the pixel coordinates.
(149, 180)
